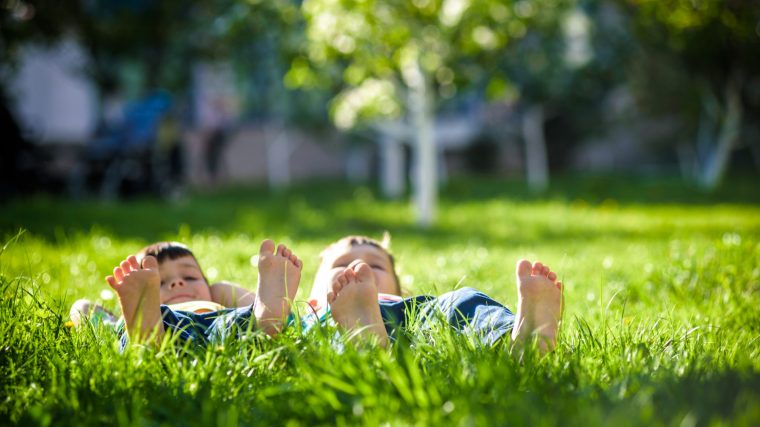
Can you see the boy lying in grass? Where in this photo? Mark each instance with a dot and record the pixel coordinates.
(358, 281)
(164, 286)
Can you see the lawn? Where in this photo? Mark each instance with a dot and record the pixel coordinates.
(662, 325)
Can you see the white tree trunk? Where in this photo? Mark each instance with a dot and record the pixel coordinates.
(426, 181)
(279, 149)
(358, 165)
(730, 129)
(391, 166)
(536, 160)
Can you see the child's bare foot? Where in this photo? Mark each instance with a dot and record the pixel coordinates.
(279, 276)
(539, 305)
(353, 302)
(138, 288)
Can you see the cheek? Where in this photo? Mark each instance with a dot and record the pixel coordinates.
(202, 291)
(164, 294)
(385, 282)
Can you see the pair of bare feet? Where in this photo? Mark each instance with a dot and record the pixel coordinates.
(353, 301)
(138, 288)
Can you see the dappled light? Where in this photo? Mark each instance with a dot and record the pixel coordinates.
(380, 212)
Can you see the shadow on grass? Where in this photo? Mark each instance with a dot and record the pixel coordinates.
(326, 210)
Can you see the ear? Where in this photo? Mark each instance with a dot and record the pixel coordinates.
(386, 242)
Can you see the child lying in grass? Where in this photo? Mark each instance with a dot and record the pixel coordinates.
(358, 281)
(164, 286)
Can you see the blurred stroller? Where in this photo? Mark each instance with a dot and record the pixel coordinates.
(136, 150)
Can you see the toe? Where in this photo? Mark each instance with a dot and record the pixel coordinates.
(341, 281)
(559, 285)
(523, 268)
(298, 263)
(286, 252)
(280, 249)
(125, 267)
(336, 285)
(537, 267)
(552, 276)
(117, 273)
(111, 281)
(267, 247)
(132, 260)
(150, 263)
(350, 275)
(545, 271)
(363, 272)
(330, 297)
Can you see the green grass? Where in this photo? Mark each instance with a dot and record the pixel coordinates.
(662, 325)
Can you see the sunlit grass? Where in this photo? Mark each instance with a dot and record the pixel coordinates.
(661, 326)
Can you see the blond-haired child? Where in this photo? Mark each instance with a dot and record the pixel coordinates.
(357, 280)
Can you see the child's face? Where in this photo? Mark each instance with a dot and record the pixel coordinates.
(385, 279)
(182, 281)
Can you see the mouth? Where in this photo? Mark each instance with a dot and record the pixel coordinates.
(183, 297)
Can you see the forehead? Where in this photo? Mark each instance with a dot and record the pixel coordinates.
(364, 251)
(181, 262)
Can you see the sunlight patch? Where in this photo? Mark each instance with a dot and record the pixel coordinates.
(607, 263)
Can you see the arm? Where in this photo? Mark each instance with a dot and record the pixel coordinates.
(231, 295)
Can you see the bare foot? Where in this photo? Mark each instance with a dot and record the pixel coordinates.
(279, 276)
(353, 302)
(138, 288)
(539, 305)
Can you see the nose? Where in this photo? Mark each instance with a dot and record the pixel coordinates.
(176, 283)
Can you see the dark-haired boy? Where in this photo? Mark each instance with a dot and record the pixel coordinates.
(163, 287)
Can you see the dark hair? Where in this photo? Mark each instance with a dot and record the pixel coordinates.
(165, 250)
(168, 250)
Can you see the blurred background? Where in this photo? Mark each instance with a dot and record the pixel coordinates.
(112, 98)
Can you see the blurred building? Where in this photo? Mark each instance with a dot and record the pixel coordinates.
(55, 102)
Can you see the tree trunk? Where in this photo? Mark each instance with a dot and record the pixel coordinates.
(391, 166)
(426, 191)
(279, 149)
(716, 164)
(358, 164)
(536, 160)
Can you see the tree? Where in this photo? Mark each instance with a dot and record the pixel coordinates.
(262, 39)
(567, 61)
(112, 32)
(715, 45)
(398, 58)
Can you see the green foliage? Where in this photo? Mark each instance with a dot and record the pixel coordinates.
(692, 52)
(378, 49)
(661, 325)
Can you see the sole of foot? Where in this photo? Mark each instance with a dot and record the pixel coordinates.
(279, 277)
(353, 303)
(539, 306)
(138, 287)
